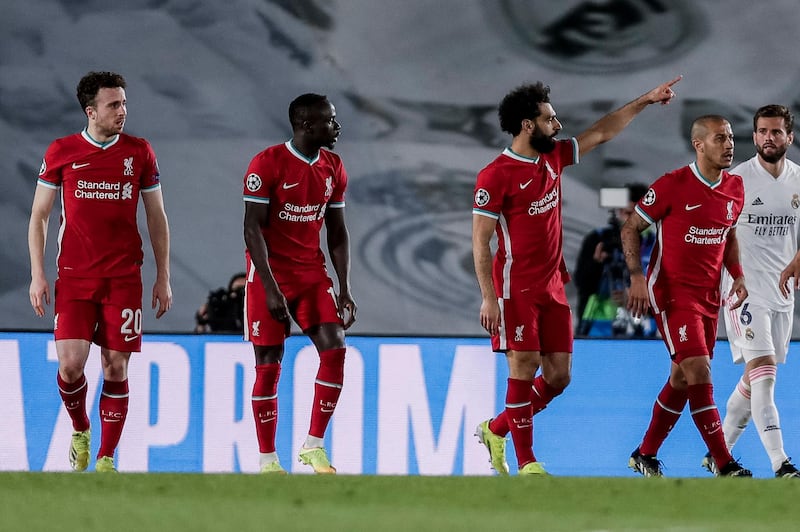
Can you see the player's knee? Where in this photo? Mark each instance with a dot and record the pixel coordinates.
(70, 373)
(268, 354)
(327, 336)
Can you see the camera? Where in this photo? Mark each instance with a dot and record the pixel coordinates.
(615, 272)
(224, 311)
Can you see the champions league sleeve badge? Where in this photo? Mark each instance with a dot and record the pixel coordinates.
(253, 182)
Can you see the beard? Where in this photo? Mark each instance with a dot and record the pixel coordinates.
(773, 157)
(542, 143)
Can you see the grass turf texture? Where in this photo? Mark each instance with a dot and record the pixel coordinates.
(89, 502)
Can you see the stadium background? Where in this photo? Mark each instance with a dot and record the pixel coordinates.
(416, 85)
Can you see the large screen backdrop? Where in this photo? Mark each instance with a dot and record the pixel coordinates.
(409, 406)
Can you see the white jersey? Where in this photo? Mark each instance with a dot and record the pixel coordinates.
(767, 231)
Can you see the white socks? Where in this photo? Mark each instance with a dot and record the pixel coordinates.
(737, 414)
(267, 458)
(313, 441)
(765, 413)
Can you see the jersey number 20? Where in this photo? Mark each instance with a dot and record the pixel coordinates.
(133, 321)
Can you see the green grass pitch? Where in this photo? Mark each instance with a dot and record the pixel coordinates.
(198, 502)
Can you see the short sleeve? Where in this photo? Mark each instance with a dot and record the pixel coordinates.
(256, 180)
(656, 203)
(150, 177)
(488, 197)
(50, 171)
(337, 198)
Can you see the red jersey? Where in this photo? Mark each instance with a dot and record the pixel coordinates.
(524, 196)
(298, 191)
(693, 217)
(100, 185)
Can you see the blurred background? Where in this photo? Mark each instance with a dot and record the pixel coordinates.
(415, 85)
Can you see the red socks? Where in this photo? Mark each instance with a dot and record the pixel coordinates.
(73, 394)
(519, 414)
(706, 418)
(666, 411)
(541, 394)
(327, 388)
(265, 405)
(113, 411)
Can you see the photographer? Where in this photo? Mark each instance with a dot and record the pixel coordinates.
(223, 312)
(601, 276)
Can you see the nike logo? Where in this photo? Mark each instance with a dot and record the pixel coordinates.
(327, 410)
(523, 186)
(76, 166)
(692, 207)
(130, 338)
(524, 426)
(287, 186)
(267, 420)
(108, 420)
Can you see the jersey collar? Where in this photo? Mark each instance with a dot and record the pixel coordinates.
(508, 152)
(696, 171)
(102, 145)
(294, 151)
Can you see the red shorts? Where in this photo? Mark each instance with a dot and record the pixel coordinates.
(106, 311)
(535, 323)
(311, 301)
(687, 333)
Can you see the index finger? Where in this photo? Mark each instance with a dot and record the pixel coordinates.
(674, 81)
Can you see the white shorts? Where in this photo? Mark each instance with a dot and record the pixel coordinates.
(755, 331)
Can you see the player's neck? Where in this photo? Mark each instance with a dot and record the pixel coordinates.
(308, 150)
(98, 136)
(710, 172)
(522, 146)
(775, 169)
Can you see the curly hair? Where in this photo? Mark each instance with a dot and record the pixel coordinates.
(520, 104)
(91, 83)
